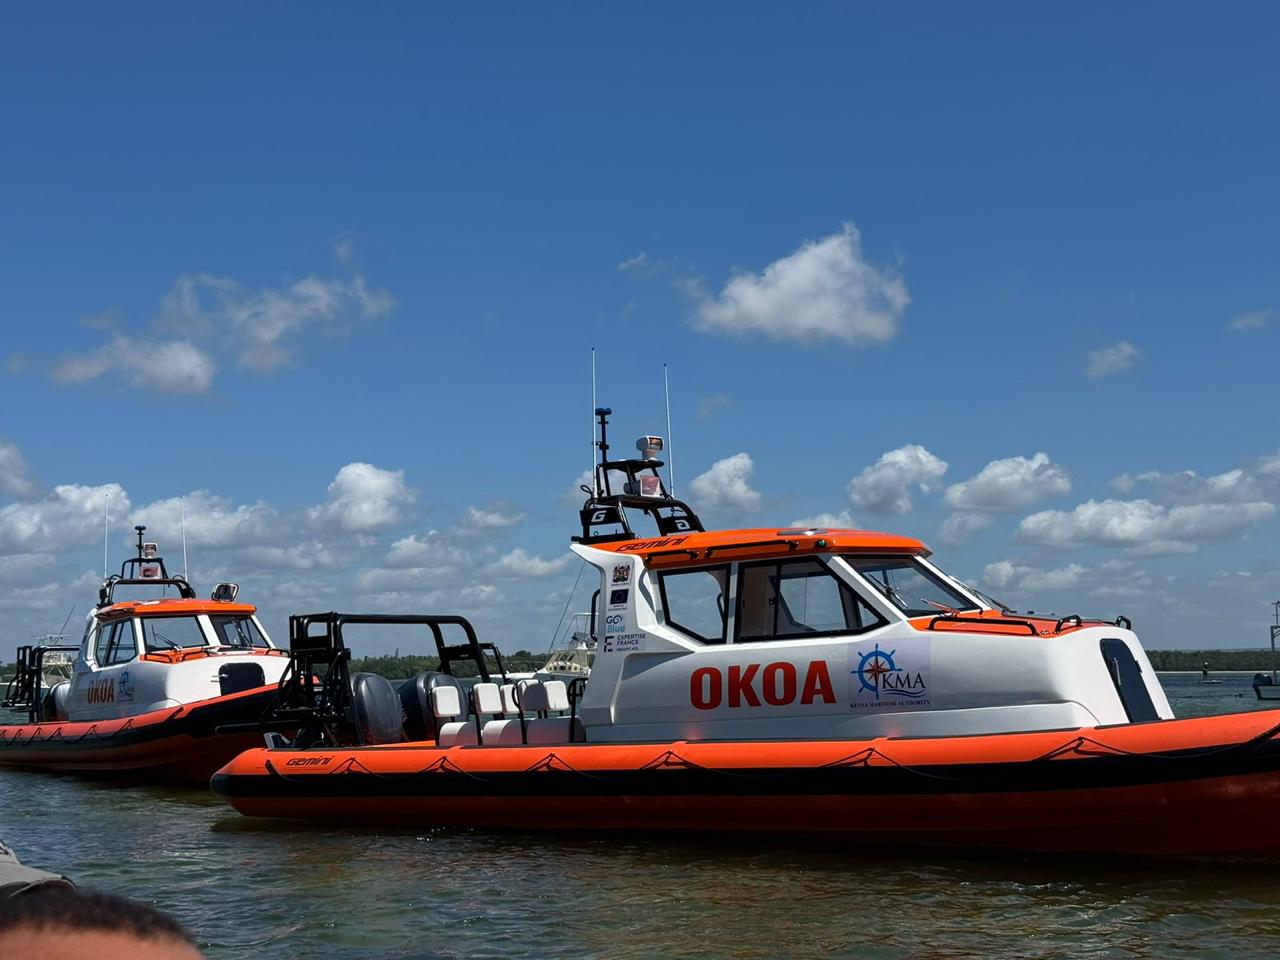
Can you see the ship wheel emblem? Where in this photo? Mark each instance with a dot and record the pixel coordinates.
(873, 665)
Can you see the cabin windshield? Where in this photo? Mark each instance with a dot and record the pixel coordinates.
(172, 633)
(238, 632)
(911, 588)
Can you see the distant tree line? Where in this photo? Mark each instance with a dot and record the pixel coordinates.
(397, 667)
(1217, 659)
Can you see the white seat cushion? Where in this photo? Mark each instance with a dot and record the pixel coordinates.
(460, 734)
(557, 695)
(487, 698)
(446, 702)
(502, 733)
(550, 730)
(509, 700)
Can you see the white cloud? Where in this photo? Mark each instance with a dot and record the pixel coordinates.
(1253, 320)
(708, 407)
(1256, 480)
(885, 486)
(959, 527)
(404, 578)
(300, 556)
(1008, 575)
(364, 498)
(30, 598)
(520, 563)
(837, 521)
(346, 246)
(1142, 525)
(1109, 360)
(167, 366)
(634, 264)
(16, 478)
(1010, 484)
(261, 324)
(575, 495)
(70, 514)
(727, 485)
(475, 600)
(432, 551)
(24, 567)
(826, 290)
(495, 516)
(212, 521)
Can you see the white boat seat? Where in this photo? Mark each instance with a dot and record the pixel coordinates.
(548, 730)
(509, 707)
(557, 695)
(502, 733)
(461, 733)
(446, 702)
(487, 699)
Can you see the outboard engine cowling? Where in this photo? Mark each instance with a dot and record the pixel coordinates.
(54, 708)
(377, 709)
(415, 697)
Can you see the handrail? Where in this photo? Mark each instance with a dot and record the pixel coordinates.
(577, 687)
(686, 552)
(1128, 624)
(984, 621)
(753, 545)
(24, 688)
(1067, 620)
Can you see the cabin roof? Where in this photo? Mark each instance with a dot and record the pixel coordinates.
(172, 606)
(726, 545)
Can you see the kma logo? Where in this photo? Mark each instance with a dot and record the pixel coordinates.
(879, 675)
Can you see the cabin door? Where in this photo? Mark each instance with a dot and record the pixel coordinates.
(1127, 677)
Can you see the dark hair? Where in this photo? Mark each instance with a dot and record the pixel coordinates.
(58, 907)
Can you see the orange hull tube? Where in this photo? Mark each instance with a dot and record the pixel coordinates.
(176, 743)
(1185, 787)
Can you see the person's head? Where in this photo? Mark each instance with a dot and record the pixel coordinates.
(57, 922)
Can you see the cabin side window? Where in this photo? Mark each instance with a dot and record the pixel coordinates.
(102, 643)
(797, 600)
(171, 633)
(122, 647)
(693, 601)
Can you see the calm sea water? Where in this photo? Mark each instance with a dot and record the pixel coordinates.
(269, 890)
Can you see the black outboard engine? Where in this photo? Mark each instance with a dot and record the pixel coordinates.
(376, 708)
(415, 697)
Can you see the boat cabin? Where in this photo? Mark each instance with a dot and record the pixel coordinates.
(781, 633)
(138, 655)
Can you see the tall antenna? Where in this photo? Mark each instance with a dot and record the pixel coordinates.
(671, 455)
(63, 631)
(594, 484)
(106, 502)
(182, 505)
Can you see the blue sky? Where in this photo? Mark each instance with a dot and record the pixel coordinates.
(885, 251)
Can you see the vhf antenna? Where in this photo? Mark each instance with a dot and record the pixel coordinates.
(671, 456)
(595, 485)
(106, 503)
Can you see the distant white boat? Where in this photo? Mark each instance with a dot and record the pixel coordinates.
(570, 656)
